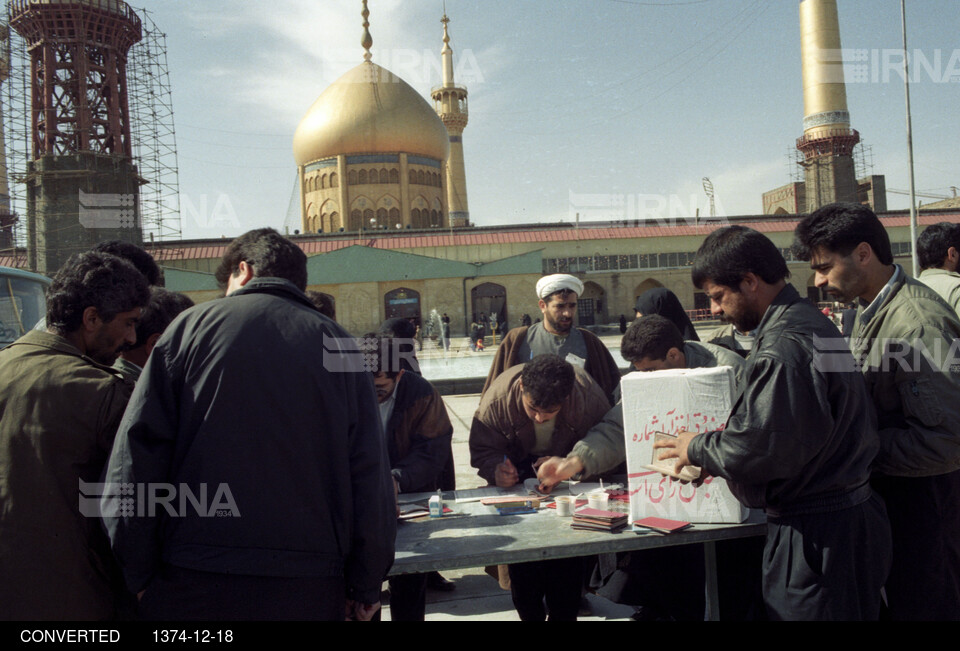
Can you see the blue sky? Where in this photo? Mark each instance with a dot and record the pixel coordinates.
(574, 104)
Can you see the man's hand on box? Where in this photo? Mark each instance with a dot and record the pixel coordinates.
(676, 449)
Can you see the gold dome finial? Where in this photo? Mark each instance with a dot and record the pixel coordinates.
(367, 40)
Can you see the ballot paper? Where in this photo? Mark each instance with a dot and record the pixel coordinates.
(668, 402)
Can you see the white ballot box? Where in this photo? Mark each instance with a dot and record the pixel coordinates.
(662, 403)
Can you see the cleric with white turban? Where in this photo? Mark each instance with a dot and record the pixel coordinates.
(557, 283)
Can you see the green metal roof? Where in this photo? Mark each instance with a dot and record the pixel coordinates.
(360, 264)
(525, 263)
(182, 280)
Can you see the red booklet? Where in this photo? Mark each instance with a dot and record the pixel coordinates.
(662, 524)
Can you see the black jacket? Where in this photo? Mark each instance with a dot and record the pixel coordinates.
(259, 399)
(802, 433)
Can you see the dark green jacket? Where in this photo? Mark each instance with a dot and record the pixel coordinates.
(59, 412)
(917, 396)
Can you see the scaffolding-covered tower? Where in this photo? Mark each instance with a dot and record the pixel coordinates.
(89, 125)
(82, 184)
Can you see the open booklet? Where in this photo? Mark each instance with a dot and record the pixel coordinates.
(668, 466)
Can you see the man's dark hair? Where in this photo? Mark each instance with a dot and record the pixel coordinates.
(381, 353)
(269, 253)
(560, 293)
(163, 308)
(92, 279)
(404, 333)
(324, 303)
(547, 380)
(935, 241)
(730, 253)
(840, 228)
(136, 255)
(650, 337)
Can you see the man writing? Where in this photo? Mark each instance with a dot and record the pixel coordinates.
(903, 337)
(253, 398)
(798, 443)
(556, 335)
(60, 405)
(531, 412)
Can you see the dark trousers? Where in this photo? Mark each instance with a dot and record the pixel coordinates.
(556, 582)
(182, 594)
(408, 597)
(827, 566)
(924, 583)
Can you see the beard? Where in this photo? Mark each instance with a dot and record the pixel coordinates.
(745, 322)
(563, 327)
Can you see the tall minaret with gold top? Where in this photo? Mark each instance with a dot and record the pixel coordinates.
(828, 141)
(450, 102)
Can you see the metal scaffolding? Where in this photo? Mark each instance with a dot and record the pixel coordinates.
(16, 130)
(153, 136)
(153, 133)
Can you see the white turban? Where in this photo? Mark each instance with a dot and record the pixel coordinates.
(558, 282)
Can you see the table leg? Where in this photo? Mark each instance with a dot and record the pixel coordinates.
(713, 595)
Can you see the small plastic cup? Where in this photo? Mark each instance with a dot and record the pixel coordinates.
(564, 506)
(598, 500)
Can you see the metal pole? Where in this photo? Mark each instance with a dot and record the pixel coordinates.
(913, 190)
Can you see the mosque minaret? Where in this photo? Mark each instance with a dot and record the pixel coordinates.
(828, 140)
(450, 102)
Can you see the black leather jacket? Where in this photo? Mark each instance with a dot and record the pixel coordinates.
(802, 433)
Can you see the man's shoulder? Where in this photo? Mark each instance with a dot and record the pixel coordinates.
(939, 274)
(414, 387)
(501, 386)
(915, 306)
(45, 361)
(515, 334)
(706, 352)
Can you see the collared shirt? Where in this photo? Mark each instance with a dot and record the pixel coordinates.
(386, 407)
(874, 305)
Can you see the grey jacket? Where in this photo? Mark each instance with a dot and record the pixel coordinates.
(603, 448)
(800, 438)
(945, 283)
(917, 398)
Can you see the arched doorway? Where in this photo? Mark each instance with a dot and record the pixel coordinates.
(488, 299)
(402, 303)
(645, 286)
(591, 306)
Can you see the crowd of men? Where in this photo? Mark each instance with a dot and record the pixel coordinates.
(243, 458)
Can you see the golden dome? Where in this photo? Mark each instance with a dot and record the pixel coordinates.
(369, 110)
